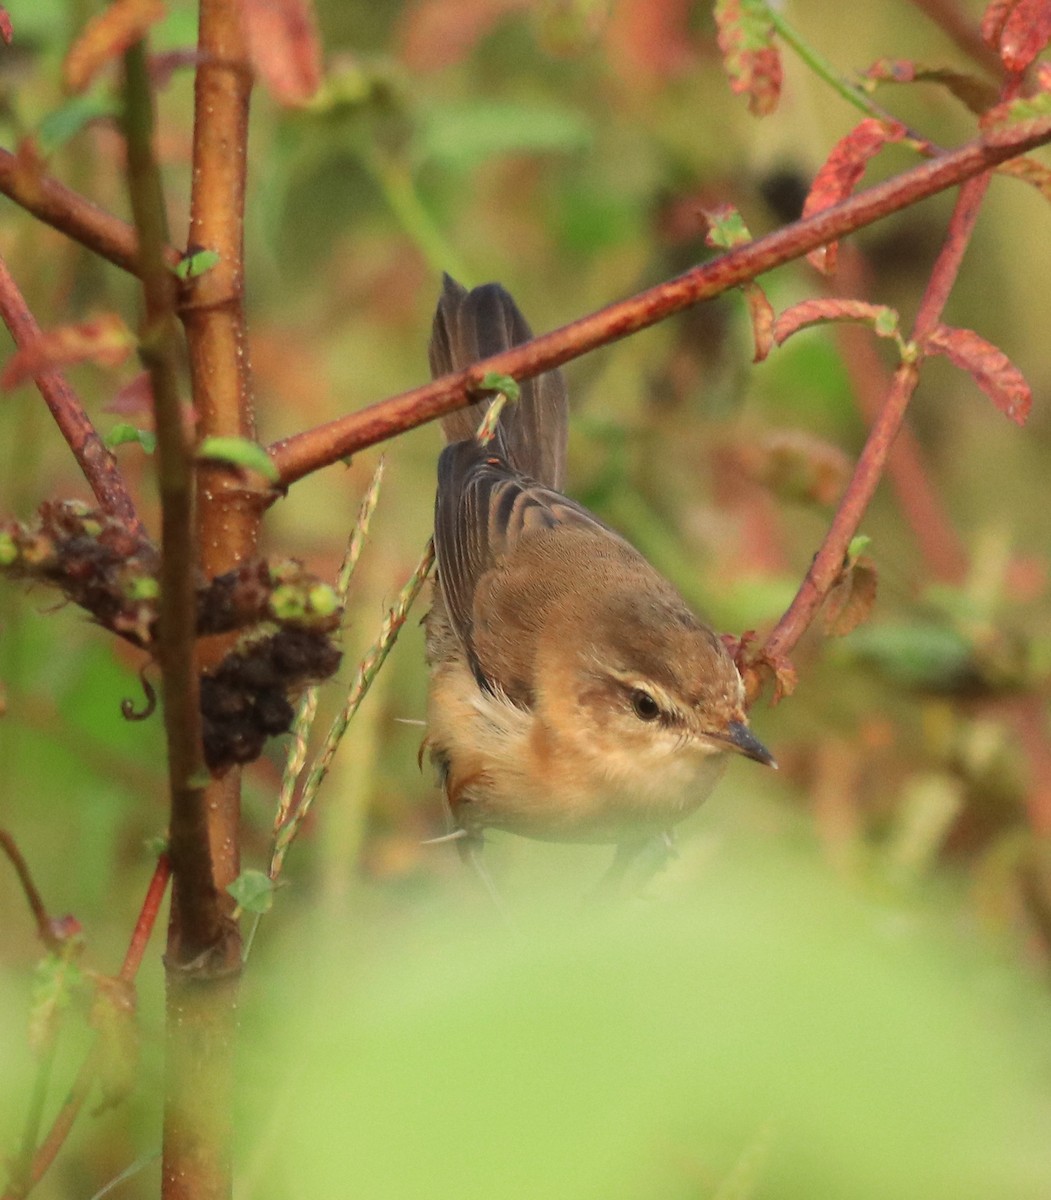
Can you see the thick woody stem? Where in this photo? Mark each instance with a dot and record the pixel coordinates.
(96, 462)
(202, 1003)
(306, 452)
(194, 895)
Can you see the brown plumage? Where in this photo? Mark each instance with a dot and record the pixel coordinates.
(574, 696)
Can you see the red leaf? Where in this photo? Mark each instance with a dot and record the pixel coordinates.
(883, 320)
(746, 41)
(440, 33)
(993, 20)
(105, 37)
(106, 340)
(134, 399)
(841, 172)
(7, 31)
(1025, 33)
(990, 368)
(284, 48)
(762, 313)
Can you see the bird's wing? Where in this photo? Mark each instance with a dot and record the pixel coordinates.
(484, 511)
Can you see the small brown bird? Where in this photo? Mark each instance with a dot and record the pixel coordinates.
(573, 694)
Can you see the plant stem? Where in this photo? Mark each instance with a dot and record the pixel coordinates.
(95, 460)
(828, 561)
(194, 898)
(305, 452)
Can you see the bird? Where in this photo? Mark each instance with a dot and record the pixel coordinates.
(573, 694)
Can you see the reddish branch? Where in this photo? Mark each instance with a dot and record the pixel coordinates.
(70, 213)
(828, 562)
(939, 543)
(45, 927)
(306, 452)
(96, 462)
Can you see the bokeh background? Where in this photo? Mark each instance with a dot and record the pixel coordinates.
(838, 988)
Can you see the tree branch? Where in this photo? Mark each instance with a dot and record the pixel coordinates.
(828, 562)
(304, 453)
(70, 213)
(194, 895)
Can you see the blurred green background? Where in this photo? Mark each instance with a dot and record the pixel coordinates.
(838, 988)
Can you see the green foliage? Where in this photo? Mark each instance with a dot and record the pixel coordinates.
(843, 1044)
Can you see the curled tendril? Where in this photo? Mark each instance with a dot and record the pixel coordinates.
(127, 707)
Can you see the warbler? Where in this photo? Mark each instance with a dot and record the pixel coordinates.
(573, 695)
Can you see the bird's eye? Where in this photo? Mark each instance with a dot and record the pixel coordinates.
(644, 706)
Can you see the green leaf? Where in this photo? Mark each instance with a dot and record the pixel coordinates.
(253, 891)
(494, 382)
(66, 122)
(463, 135)
(125, 432)
(858, 546)
(239, 452)
(190, 266)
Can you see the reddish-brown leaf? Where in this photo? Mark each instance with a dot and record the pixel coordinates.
(284, 47)
(851, 599)
(105, 37)
(891, 70)
(762, 313)
(993, 20)
(106, 340)
(990, 368)
(440, 33)
(751, 59)
(1025, 33)
(841, 172)
(7, 31)
(883, 320)
(134, 399)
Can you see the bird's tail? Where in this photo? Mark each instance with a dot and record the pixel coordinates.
(469, 326)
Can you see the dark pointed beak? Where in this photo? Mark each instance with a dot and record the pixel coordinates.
(744, 741)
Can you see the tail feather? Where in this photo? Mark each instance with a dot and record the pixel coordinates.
(469, 326)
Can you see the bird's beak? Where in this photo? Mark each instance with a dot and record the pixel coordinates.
(743, 740)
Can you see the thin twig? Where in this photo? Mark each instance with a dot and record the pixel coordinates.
(44, 925)
(75, 216)
(307, 452)
(194, 893)
(828, 562)
(95, 460)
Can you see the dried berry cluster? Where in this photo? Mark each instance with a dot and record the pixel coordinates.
(111, 572)
(94, 559)
(245, 699)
